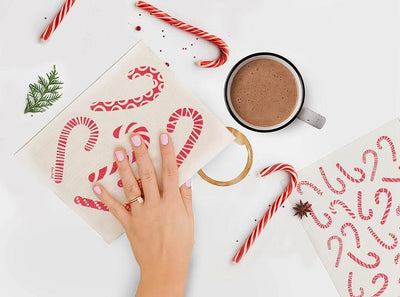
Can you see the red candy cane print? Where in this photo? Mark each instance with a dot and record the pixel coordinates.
(380, 241)
(117, 133)
(350, 287)
(359, 208)
(194, 134)
(328, 184)
(340, 248)
(349, 177)
(63, 139)
(355, 231)
(390, 142)
(142, 71)
(398, 211)
(391, 179)
(396, 259)
(343, 205)
(309, 184)
(86, 202)
(364, 264)
(364, 159)
(388, 205)
(384, 286)
(318, 222)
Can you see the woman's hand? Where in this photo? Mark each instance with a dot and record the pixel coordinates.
(160, 229)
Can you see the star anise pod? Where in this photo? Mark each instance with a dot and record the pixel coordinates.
(301, 209)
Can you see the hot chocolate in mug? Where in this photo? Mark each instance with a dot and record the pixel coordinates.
(265, 92)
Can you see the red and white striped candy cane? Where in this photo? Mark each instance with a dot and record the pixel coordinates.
(318, 222)
(328, 184)
(397, 259)
(364, 264)
(350, 286)
(154, 93)
(95, 204)
(340, 248)
(390, 142)
(344, 206)
(63, 138)
(274, 207)
(117, 133)
(398, 211)
(223, 47)
(364, 159)
(391, 179)
(359, 208)
(309, 184)
(349, 177)
(194, 134)
(380, 241)
(57, 20)
(355, 231)
(384, 286)
(388, 205)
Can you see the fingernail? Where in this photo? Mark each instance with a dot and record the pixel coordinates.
(188, 183)
(136, 140)
(164, 139)
(97, 190)
(119, 155)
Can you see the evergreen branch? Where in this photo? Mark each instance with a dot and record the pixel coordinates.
(44, 93)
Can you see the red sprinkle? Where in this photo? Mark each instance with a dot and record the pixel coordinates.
(138, 28)
(166, 63)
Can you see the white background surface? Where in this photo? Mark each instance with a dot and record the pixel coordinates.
(347, 52)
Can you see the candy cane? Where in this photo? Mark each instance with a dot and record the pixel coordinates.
(364, 159)
(340, 248)
(380, 241)
(274, 207)
(396, 259)
(110, 170)
(57, 20)
(154, 93)
(388, 205)
(355, 231)
(343, 205)
(385, 284)
(62, 142)
(194, 134)
(350, 287)
(392, 148)
(95, 204)
(391, 179)
(328, 184)
(398, 211)
(309, 184)
(359, 208)
(362, 263)
(223, 47)
(349, 177)
(318, 222)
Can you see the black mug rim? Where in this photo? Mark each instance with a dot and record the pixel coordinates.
(263, 54)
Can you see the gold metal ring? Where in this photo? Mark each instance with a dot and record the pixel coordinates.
(241, 140)
(138, 199)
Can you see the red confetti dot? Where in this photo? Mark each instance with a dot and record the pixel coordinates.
(197, 38)
(160, 51)
(166, 63)
(191, 44)
(194, 57)
(138, 28)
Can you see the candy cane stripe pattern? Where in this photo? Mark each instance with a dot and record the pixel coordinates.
(328, 184)
(194, 134)
(380, 241)
(384, 286)
(359, 208)
(364, 159)
(318, 222)
(154, 93)
(309, 184)
(391, 179)
(388, 205)
(390, 142)
(343, 205)
(349, 177)
(354, 229)
(223, 47)
(63, 139)
(86, 202)
(340, 248)
(57, 20)
(364, 264)
(350, 286)
(274, 207)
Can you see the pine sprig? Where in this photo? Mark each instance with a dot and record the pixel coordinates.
(44, 93)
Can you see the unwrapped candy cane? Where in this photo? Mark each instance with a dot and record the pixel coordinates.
(274, 207)
(223, 47)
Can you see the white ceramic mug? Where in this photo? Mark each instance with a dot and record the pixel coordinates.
(307, 115)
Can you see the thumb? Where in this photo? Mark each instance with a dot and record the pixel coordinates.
(186, 194)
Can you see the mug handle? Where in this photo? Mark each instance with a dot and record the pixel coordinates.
(312, 118)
